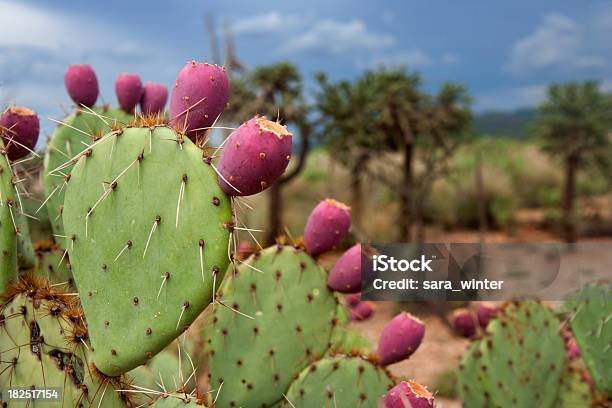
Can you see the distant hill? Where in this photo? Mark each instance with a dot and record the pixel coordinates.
(509, 124)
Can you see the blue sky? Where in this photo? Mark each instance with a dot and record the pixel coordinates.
(505, 52)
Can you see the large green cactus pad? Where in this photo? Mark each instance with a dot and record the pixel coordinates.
(148, 227)
(8, 212)
(291, 313)
(68, 140)
(574, 392)
(591, 323)
(41, 346)
(519, 362)
(339, 381)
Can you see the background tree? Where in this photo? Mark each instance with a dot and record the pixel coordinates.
(275, 91)
(573, 126)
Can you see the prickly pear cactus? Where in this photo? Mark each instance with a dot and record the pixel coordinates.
(591, 323)
(148, 229)
(339, 381)
(573, 391)
(52, 263)
(25, 251)
(275, 315)
(344, 340)
(43, 342)
(518, 363)
(176, 400)
(8, 210)
(70, 138)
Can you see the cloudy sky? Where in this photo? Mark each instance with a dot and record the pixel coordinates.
(505, 52)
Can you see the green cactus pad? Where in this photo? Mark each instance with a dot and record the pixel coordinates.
(519, 362)
(339, 381)
(291, 314)
(574, 392)
(591, 323)
(8, 212)
(148, 227)
(176, 400)
(25, 251)
(42, 344)
(53, 265)
(68, 140)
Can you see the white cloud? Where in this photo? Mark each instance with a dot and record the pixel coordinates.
(272, 21)
(410, 59)
(558, 40)
(450, 59)
(511, 98)
(336, 37)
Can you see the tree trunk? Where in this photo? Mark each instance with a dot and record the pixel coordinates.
(405, 221)
(356, 188)
(569, 198)
(275, 213)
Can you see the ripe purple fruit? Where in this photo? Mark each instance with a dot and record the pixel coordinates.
(19, 128)
(254, 156)
(400, 338)
(128, 88)
(485, 312)
(353, 299)
(327, 226)
(362, 311)
(82, 84)
(345, 276)
(408, 394)
(200, 94)
(154, 98)
(463, 322)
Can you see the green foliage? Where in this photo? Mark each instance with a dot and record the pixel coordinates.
(69, 139)
(341, 381)
(40, 345)
(276, 316)
(518, 363)
(53, 265)
(591, 323)
(146, 248)
(8, 212)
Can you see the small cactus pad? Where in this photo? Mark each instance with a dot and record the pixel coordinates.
(128, 88)
(400, 338)
(176, 400)
(326, 226)
(82, 84)
(291, 314)
(44, 343)
(408, 394)
(254, 156)
(52, 264)
(591, 323)
(69, 139)
(19, 129)
(199, 96)
(25, 251)
(518, 363)
(148, 228)
(8, 226)
(574, 391)
(154, 98)
(340, 381)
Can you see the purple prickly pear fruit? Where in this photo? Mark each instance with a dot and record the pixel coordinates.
(362, 311)
(400, 338)
(408, 394)
(345, 276)
(353, 299)
(327, 226)
(154, 98)
(485, 312)
(245, 249)
(82, 84)
(463, 322)
(128, 88)
(571, 348)
(19, 128)
(199, 96)
(254, 156)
